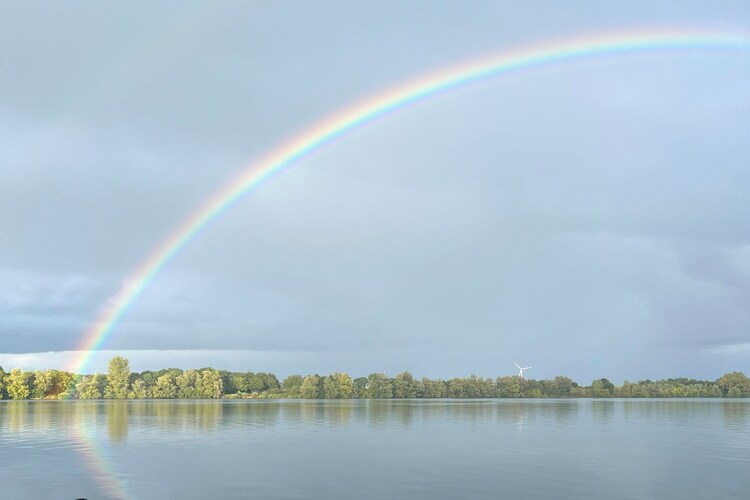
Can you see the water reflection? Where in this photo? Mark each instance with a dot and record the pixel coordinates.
(602, 410)
(684, 412)
(513, 442)
(252, 413)
(29, 418)
(117, 421)
(566, 411)
(736, 415)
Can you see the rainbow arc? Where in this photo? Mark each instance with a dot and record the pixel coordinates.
(397, 98)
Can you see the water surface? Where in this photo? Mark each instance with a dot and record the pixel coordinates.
(431, 449)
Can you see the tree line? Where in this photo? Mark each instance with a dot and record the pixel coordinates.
(208, 383)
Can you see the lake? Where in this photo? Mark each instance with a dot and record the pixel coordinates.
(428, 449)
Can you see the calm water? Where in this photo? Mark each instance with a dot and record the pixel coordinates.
(662, 449)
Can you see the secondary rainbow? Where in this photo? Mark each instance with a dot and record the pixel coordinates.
(396, 98)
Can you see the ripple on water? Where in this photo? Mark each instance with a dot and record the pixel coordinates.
(379, 449)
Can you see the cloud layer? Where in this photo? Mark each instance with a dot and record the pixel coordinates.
(587, 219)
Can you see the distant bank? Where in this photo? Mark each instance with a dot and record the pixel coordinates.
(209, 383)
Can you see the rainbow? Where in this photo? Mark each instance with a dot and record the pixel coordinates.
(98, 462)
(394, 99)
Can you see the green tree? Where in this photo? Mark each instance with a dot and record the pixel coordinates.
(638, 391)
(62, 382)
(626, 391)
(433, 388)
(209, 384)
(309, 388)
(165, 387)
(561, 387)
(734, 392)
(240, 382)
(186, 385)
(509, 387)
(330, 388)
(90, 387)
(292, 386)
(489, 389)
(149, 379)
(735, 379)
(139, 390)
(534, 392)
(599, 389)
(118, 378)
(473, 386)
(257, 382)
(404, 386)
(344, 385)
(579, 392)
(379, 386)
(456, 388)
(360, 387)
(272, 383)
(43, 382)
(17, 384)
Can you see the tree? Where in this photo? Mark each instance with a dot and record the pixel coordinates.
(344, 385)
(17, 383)
(186, 385)
(714, 391)
(272, 383)
(534, 392)
(292, 385)
(239, 382)
(209, 384)
(404, 386)
(626, 391)
(561, 387)
(118, 378)
(579, 392)
(474, 387)
(43, 382)
(139, 390)
(61, 383)
(600, 388)
(257, 382)
(508, 387)
(735, 379)
(360, 387)
(309, 388)
(165, 387)
(638, 391)
(149, 380)
(90, 387)
(433, 388)
(379, 386)
(330, 388)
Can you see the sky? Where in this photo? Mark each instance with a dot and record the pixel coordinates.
(588, 219)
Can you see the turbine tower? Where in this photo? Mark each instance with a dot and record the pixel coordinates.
(520, 370)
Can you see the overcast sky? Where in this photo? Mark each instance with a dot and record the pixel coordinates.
(588, 219)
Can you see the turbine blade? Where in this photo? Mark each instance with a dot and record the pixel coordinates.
(517, 366)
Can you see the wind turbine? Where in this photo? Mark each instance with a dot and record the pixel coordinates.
(520, 370)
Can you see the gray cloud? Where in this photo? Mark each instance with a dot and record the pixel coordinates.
(588, 218)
